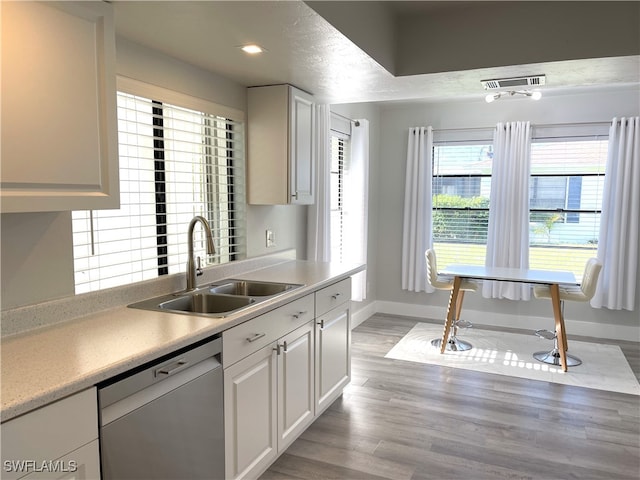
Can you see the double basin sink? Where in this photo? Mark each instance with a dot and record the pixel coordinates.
(218, 299)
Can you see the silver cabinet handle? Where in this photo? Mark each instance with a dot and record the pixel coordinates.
(255, 337)
(280, 348)
(171, 369)
(299, 314)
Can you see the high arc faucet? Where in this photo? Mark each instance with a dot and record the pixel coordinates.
(211, 249)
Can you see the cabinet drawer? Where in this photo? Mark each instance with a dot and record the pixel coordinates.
(332, 296)
(246, 338)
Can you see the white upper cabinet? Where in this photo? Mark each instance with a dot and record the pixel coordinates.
(59, 126)
(281, 157)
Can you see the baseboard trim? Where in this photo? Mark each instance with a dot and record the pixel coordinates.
(363, 313)
(478, 317)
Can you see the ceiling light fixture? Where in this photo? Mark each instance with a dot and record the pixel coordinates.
(537, 95)
(252, 49)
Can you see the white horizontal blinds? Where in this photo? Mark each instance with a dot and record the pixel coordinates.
(203, 179)
(567, 177)
(175, 163)
(339, 154)
(116, 247)
(226, 194)
(461, 188)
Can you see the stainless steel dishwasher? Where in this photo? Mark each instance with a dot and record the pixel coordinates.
(165, 420)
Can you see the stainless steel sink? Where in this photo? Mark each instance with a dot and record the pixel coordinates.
(252, 288)
(207, 303)
(217, 300)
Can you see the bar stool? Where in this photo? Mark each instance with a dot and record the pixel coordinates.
(454, 343)
(583, 293)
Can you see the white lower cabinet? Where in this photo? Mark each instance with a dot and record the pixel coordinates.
(81, 464)
(281, 370)
(250, 410)
(58, 441)
(333, 342)
(333, 355)
(295, 385)
(269, 401)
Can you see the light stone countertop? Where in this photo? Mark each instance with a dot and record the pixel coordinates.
(50, 363)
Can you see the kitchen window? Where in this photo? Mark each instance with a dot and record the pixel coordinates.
(175, 163)
(565, 198)
(339, 158)
(460, 187)
(565, 201)
(349, 176)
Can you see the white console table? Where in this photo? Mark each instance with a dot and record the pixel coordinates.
(520, 275)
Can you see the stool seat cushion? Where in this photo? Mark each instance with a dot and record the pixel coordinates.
(569, 293)
(447, 284)
(582, 293)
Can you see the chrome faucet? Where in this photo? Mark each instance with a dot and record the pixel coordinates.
(192, 269)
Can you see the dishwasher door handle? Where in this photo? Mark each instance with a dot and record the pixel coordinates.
(171, 368)
(167, 382)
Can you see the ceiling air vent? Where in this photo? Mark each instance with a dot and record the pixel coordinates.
(502, 83)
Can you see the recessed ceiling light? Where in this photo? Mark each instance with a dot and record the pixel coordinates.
(252, 49)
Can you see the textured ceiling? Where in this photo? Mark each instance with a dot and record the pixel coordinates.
(305, 50)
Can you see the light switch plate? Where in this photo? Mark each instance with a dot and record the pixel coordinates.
(270, 238)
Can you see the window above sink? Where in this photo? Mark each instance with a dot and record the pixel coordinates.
(175, 162)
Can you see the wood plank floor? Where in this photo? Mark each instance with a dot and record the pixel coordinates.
(403, 420)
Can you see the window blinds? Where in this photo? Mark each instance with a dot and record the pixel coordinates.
(339, 155)
(461, 188)
(565, 201)
(175, 163)
(565, 198)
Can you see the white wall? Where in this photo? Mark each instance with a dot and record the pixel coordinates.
(288, 224)
(488, 34)
(141, 63)
(396, 119)
(37, 257)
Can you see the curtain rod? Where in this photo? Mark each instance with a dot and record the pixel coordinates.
(357, 123)
(607, 123)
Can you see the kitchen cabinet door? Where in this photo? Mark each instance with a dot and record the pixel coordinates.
(250, 414)
(281, 155)
(59, 126)
(269, 401)
(295, 384)
(333, 355)
(301, 155)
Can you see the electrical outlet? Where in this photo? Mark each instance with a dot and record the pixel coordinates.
(270, 238)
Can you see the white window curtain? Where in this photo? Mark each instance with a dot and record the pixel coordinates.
(319, 219)
(356, 205)
(508, 234)
(619, 224)
(416, 230)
